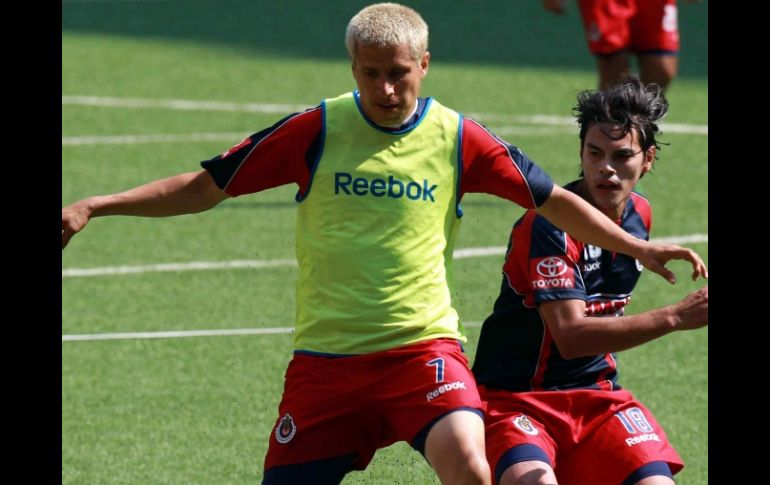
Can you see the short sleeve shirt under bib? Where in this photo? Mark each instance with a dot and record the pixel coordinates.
(378, 213)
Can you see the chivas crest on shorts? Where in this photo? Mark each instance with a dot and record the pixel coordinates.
(286, 429)
(523, 423)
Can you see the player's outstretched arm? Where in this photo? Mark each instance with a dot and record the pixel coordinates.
(570, 213)
(577, 335)
(654, 257)
(185, 193)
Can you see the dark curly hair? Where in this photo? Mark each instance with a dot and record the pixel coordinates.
(629, 104)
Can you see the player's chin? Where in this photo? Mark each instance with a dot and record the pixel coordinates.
(388, 119)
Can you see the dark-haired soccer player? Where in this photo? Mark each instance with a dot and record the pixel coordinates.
(545, 361)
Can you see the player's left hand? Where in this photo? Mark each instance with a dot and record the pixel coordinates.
(657, 255)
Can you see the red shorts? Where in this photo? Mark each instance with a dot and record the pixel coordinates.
(641, 26)
(334, 406)
(589, 436)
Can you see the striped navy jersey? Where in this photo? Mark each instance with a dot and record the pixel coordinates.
(516, 351)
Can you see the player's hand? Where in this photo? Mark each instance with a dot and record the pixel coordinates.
(656, 256)
(693, 311)
(73, 219)
(555, 6)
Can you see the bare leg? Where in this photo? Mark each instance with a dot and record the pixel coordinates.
(529, 473)
(659, 69)
(455, 449)
(612, 69)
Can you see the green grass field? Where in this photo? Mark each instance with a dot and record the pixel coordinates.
(200, 409)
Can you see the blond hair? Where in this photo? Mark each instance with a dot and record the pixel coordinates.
(388, 25)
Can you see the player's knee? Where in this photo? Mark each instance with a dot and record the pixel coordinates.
(466, 466)
(658, 69)
(479, 471)
(472, 472)
(474, 469)
(528, 473)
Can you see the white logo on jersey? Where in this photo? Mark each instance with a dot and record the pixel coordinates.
(593, 252)
(550, 267)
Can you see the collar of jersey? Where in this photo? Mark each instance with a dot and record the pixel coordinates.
(423, 105)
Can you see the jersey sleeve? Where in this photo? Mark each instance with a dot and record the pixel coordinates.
(275, 156)
(493, 166)
(543, 262)
(643, 208)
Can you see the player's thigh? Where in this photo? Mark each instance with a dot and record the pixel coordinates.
(454, 446)
(612, 68)
(319, 417)
(629, 441)
(423, 384)
(658, 68)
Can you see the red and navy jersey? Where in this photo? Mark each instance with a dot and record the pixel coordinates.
(516, 351)
(288, 151)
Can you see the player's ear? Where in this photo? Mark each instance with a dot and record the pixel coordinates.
(649, 159)
(425, 63)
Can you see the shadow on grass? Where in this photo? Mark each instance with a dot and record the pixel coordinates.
(505, 32)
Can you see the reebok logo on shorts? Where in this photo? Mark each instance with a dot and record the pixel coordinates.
(642, 438)
(444, 388)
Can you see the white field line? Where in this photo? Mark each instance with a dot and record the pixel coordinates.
(181, 104)
(195, 265)
(267, 263)
(192, 333)
(178, 334)
(154, 138)
(233, 136)
(460, 253)
(184, 104)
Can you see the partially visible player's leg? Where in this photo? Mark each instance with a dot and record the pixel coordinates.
(607, 29)
(455, 449)
(655, 40)
(318, 437)
(658, 68)
(612, 68)
(520, 446)
(528, 473)
(429, 398)
(626, 444)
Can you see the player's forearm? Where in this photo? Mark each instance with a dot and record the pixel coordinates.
(601, 335)
(185, 193)
(582, 221)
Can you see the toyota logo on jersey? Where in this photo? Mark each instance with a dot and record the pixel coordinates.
(550, 267)
(551, 272)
